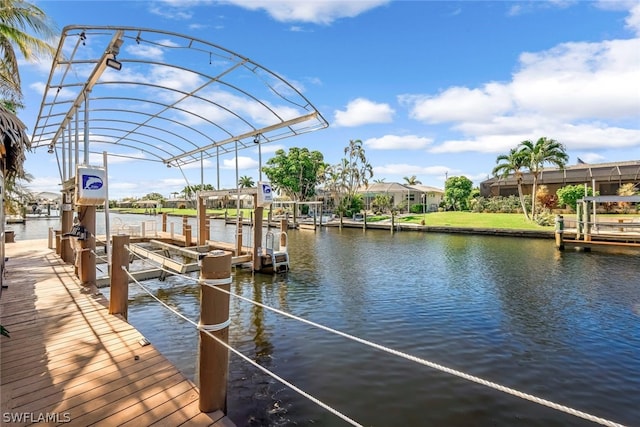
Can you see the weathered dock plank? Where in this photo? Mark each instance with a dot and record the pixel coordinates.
(70, 362)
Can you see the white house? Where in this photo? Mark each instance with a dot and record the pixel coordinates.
(403, 195)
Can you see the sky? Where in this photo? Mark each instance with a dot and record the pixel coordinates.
(433, 89)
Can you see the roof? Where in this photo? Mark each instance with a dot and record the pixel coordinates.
(426, 188)
(580, 173)
(161, 96)
(395, 187)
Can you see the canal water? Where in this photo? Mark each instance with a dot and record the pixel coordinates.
(563, 326)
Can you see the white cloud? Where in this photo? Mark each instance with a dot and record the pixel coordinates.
(585, 95)
(591, 157)
(633, 20)
(206, 163)
(362, 111)
(243, 163)
(397, 142)
(317, 12)
(580, 80)
(145, 51)
(402, 169)
(460, 103)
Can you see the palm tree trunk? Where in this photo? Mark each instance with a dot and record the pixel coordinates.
(533, 196)
(521, 197)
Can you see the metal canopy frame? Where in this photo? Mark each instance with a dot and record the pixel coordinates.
(175, 100)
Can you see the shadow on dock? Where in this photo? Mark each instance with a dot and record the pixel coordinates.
(69, 361)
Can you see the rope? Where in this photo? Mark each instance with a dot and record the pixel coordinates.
(433, 365)
(247, 359)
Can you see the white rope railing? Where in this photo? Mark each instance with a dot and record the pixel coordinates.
(247, 359)
(424, 362)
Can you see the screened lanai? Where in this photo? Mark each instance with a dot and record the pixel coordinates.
(158, 96)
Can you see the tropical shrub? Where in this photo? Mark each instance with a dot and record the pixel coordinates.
(570, 194)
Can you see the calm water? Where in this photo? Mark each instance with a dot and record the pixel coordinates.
(561, 326)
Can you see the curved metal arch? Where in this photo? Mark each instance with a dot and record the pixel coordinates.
(235, 76)
(172, 106)
(172, 121)
(119, 139)
(128, 132)
(95, 138)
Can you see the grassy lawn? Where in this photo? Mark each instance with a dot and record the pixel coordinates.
(477, 220)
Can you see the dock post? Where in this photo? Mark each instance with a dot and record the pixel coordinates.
(50, 238)
(284, 226)
(239, 225)
(66, 250)
(87, 268)
(579, 219)
(207, 230)
(587, 222)
(559, 232)
(185, 222)
(257, 237)
(213, 357)
(119, 287)
(364, 221)
(58, 241)
(187, 236)
(164, 222)
(202, 221)
(393, 221)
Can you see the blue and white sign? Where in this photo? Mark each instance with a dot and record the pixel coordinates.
(91, 186)
(265, 194)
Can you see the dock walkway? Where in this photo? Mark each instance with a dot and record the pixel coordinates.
(70, 362)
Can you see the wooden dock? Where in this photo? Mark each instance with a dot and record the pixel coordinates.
(70, 362)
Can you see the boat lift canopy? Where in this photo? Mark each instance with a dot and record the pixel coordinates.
(160, 96)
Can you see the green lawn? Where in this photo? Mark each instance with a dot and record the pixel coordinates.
(477, 220)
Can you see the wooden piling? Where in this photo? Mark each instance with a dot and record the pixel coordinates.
(164, 222)
(202, 221)
(50, 238)
(119, 289)
(257, 237)
(559, 232)
(239, 225)
(213, 357)
(284, 226)
(187, 236)
(393, 222)
(58, 241)
(66, 250)
(87, 267)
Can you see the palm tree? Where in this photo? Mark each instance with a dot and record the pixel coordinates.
(354, 170)
(544, 150)
(512, 163)
(412, 180)
(17, 19)
(14, 142)
(246, 182)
